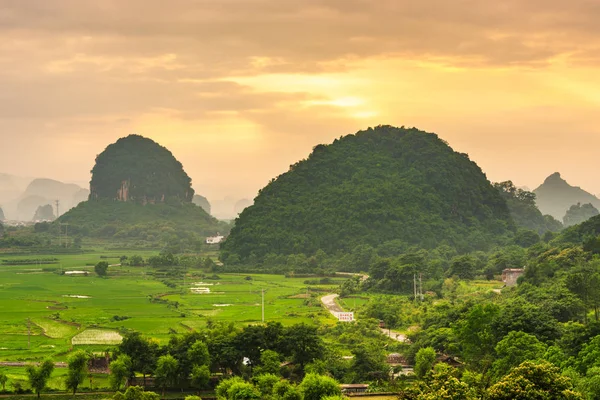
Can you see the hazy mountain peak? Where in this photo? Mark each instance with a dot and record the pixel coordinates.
(554, 178)
(555, 196)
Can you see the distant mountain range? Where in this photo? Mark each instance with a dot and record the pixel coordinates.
(555, 196)
(21, 197)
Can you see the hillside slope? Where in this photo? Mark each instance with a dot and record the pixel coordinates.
(137, 169)
(378, 185)
(140, 191)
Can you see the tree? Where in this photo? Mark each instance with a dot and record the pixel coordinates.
(534, 381)
(223, 386)
(589, 356)
(584, 281)
(167, 370)
(463, 267)
(198, 354)
(286, 391)
(142, 353)
(444, 385)
(527, 238)
(200, 376)
(243, 391)
(265, 383)
(315, 387)
(136, 261)
(3, 380)
(270, 362)
(515, 348)
(78, 368)
(120, 371)
(369, 363)
(101, 268)
(136, 393)
(38, 376)
(424, 361)
(303, 343)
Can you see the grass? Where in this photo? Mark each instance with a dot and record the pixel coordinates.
(97, 336)
(57, 379)
(71, 312)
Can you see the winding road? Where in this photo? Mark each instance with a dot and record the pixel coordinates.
(330, 304)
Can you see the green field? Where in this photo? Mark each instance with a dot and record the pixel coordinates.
(85, 311)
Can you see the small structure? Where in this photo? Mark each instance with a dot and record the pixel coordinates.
(449, 360)
(396, 359)
(354, 388)
(345, 316)
(215, 239)
(511, 275)
(99, 363)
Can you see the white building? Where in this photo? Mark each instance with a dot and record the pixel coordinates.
(215, 239)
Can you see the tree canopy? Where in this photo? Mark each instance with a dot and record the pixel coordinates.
(135, 168)
(379, 185)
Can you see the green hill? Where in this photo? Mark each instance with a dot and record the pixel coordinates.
(140, 191)
(578, 234)
(135, 168)
(109, 218)
(379, 185)
(524, 211)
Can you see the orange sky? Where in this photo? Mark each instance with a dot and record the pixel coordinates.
(240, 89)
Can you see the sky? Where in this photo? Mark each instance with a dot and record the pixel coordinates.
(239, 90)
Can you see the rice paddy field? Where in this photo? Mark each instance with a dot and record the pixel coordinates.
(47, 311)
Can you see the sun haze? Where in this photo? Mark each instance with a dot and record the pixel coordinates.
(240, 89)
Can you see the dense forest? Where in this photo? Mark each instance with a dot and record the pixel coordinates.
(377, 186)
(138, 169)
(128, 220)
(524, 211)
(579, 213)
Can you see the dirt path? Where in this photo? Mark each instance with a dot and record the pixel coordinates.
(334, 308)
(24, 364)
(330, 304)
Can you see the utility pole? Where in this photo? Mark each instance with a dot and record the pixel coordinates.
(415, 285)
(421, 286)
(57, 202)
(262, 291)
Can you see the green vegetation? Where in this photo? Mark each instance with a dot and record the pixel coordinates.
(38, 376)
(202, 202)
(579, 213)
(380, 187)
(180, 225)
(89, 312)
(138, 169)
(524, 211)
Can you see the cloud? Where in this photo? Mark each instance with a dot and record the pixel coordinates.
(264, 81)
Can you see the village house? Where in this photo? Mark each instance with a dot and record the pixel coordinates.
(215, 239)
(511, 275)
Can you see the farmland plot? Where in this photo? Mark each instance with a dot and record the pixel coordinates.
(97, 336)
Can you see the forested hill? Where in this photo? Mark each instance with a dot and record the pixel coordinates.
(140, 191)
(135, 168)
(380, 185)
